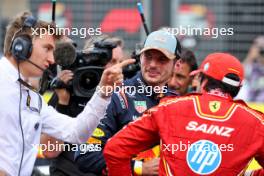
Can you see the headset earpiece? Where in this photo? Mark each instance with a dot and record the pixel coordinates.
(29, 22)
(21, 45)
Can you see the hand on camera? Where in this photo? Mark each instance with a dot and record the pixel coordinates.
(63, 94)
(112, 77)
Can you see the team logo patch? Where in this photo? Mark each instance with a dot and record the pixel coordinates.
(203, 157)
(93, 140)
(214, 106)
(140, 106)
(98, 133)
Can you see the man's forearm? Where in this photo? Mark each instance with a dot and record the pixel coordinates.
(89, 119)
(74, 130)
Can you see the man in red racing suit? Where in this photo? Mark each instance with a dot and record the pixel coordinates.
(199, 134)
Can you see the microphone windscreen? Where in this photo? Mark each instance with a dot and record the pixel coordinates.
(64, 53)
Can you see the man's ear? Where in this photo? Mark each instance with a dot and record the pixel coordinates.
(141, 58)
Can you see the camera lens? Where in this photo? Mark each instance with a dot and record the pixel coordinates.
(89, 79)
(85, 80)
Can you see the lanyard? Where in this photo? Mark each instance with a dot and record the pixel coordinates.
(34, 109)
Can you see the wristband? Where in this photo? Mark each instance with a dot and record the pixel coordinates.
(138, 167)
(62, 108)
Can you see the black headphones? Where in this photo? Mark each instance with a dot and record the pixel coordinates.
(21, 45)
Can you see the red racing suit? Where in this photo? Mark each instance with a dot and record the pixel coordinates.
(199, 134)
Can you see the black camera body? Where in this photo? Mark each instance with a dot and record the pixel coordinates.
(132, 69)
(87, 68)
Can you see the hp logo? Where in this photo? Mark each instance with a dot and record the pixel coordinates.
(203, 157)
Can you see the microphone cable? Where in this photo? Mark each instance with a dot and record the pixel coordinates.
(20, 121)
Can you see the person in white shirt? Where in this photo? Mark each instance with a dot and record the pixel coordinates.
(23, 113)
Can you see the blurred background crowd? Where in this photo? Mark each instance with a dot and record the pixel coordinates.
(121, 18)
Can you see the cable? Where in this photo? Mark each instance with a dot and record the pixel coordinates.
(53, 10)
(20, 121)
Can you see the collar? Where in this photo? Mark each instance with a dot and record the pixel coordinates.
(141, 82)
(10, 69)
(219, 93)
(12, 73)
(26, 85)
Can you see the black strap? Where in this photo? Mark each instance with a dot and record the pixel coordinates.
(38, 109)
(24, 83)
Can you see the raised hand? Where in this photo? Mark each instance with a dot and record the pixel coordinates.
(112, 77)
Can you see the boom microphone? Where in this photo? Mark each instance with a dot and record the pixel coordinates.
(44, 81)
(42, 69)
(64, 53)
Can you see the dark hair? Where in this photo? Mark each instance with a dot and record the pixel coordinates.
(225, 88)
(188, 57)
(90, 42)
(3, 23)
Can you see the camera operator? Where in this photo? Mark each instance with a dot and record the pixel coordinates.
(157, 58)
(68, 104)
(24, 115)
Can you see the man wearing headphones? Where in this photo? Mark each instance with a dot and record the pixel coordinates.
(23, 113)
(161, 49)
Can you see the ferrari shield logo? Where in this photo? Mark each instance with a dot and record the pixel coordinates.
(214, 106)
(140, 106)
